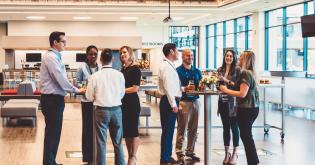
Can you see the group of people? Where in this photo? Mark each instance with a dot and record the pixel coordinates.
(238, 104)
(110, 102)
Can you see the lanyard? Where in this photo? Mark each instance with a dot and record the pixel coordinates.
(170, 64)
(90, 70)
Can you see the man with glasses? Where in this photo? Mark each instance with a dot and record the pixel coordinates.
(54, 86)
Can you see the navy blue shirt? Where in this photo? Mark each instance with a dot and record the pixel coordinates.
(185, 75)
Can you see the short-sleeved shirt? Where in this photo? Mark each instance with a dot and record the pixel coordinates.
(186, 75)
(251, 100)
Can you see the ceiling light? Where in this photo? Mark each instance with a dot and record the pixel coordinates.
(81, 18)
(36, 17)
(168, 19)
(128, 18)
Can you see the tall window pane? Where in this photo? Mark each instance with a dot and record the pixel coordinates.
(230, 27)
(211, 30)
(230, 41)
(219, 50)
(211, 52)
(250, 23)
(240, 42)
(220, 28)
(294, 48)
(240, 24)
(311, 55)
(250, 40)
(310, 7)
(294, 13)
(276, 17)
(275, 49)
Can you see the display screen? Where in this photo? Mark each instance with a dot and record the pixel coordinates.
(308, 24)
(80, 57)
(33, 57)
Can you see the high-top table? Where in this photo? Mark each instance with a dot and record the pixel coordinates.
(207, 122)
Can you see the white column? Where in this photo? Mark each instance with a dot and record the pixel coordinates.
(201, 62)
(3, 30)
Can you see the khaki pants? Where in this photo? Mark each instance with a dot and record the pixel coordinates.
(187, 118)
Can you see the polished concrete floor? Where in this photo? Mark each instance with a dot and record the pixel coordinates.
(20, 144)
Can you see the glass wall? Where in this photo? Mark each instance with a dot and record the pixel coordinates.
(185, 37)
(231, 34)
(285, 47)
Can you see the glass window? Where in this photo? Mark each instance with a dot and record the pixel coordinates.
(294, 13)
(230, 27)
(211, 52)
(211, 30)
(275, 49)
(229, 41)
(250, 23)
(276, 17)
(294, 48)
(240, 24)
(220, 28)
(310, 6)
(240, 37)
(311, 55)
(219, 50)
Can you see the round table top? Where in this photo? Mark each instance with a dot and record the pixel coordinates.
(205, 92)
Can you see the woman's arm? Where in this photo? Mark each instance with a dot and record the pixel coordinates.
(133, 89)
(241, 93)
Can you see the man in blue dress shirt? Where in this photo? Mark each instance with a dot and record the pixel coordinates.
(54, 85)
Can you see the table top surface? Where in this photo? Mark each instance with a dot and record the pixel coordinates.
(271, 85)
(205, 92)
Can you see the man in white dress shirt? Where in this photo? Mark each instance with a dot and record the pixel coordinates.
(106, 88)
(169, 87)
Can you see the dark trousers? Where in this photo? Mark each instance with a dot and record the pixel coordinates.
(52, 109)
(87, 131)
(229, 123)
(168, 120)
(246, 118)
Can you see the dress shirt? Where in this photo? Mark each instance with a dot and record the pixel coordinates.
(169, 83)
(106, 87)
(186, 75)
(53, 75)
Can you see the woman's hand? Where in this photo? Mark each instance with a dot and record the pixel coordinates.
(223, 88)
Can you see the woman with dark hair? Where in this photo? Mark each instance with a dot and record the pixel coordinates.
(84, 72)
(247, 99)
(130, 103)
(229, 73)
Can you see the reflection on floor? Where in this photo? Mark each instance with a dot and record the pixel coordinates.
(22, 144)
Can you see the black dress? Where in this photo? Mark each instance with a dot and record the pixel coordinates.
(131, 103)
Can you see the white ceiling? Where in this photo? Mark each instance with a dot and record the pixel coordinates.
(148, 14)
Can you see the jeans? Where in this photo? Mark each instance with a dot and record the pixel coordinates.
(109, 118)
(87, 131)
(229, 123)
(52, 109)
(187, 119)
(168, 119)
(246, 118)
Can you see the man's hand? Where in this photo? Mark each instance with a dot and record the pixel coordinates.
(82, 90)
(175, 109)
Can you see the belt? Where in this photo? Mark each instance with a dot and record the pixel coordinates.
(176, 97)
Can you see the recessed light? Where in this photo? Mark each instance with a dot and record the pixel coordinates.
(36, 17)
(81, 17)
(128, 18)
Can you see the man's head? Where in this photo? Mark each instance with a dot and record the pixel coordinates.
(106, 56)
(57, 40)
(170, 51)
(187, 56)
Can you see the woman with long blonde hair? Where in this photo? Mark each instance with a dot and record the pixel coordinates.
(247, 103)
(130, 103)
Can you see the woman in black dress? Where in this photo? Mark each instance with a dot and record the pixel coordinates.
(130, 103)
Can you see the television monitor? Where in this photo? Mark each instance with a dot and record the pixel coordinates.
(80, 57)
(308, 24)
(33, 57)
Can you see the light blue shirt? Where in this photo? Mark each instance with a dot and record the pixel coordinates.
(84, 73)
(53, 75)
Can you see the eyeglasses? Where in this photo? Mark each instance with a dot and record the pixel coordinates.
(63, 41)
